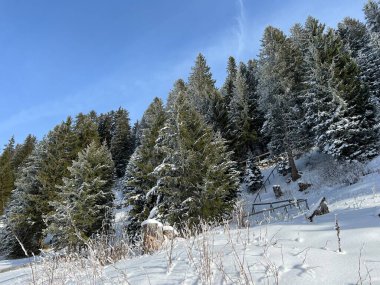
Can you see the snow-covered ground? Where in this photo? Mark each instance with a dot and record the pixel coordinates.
(288, 251)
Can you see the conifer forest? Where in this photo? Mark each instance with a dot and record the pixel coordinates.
(192, 158)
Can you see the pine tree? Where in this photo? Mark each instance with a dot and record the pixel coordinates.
(369, 58)
(23, 217)
(106, 127)
(280, 86)
(142, 163)
(196, 169)
(355, 135)
(257, 116)
(372, 12)
(86, 130)
(228, 86)
(241, 130)
(338, 106)
(203, 94)
(7, 173)
(179, 87)
(61, 149)
(85, 207)
(252, 175)
(121, 142)
(135, 135)
(354, 36)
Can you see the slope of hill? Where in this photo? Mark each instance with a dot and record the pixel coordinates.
(282, 250)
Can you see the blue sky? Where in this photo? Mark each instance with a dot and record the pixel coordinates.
(59, 58)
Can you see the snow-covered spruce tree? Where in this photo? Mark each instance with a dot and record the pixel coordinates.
(228, 86)
(241, 131)
(86, 199)
(369, 58)
(252, 175)
(338, 107)
(179, 87)
(360, 42)
(354, 36)
(204, 96)
(106, 126)
(280, 85)
(121, 142)
(23, 217)
(138, 178)
(197, 178)
(85, 130)
(321, 100)
(60, 151)
(355, 135)
(11, 160)
(135, 135)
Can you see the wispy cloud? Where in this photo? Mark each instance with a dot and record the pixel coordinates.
(241, 32)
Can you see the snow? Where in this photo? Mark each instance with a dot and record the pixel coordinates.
(168, 228)
(288, 252)
(151, 221)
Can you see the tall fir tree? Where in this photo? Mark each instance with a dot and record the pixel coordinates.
(121, 142)
(203, 94)
(196, 168)
(229, 83)
(241, 130)
(61, 149)
(86, 199)
(7, 174)
(369, 58)
(338, 106)
(23, 217)
(280, 86)
(86, 130)
(138, 178)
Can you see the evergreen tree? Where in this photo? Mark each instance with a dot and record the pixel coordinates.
(256, 114)
(7, 173)
(121, 142)
(203, 94)
(338, 105)
(23, 217)
(135, 135)
(355, 135)
(369, 58)
(179, 87)
(241, 130)
(280, 86)
(195, 169)
(354, 36)
(252, 176)
(142, 163)
(86, 130)
(228, 86)
(22, 151)
(86, 198)
(61, 149)
(106, 127)
(372, 15)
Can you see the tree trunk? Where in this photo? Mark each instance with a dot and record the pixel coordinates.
(295, 175)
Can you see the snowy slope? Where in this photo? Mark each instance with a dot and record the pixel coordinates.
(294, 251)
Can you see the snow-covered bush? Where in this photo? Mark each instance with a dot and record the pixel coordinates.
(334, 171)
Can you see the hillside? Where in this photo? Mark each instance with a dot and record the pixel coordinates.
(290, 250)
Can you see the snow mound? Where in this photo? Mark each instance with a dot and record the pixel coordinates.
(151, 221)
